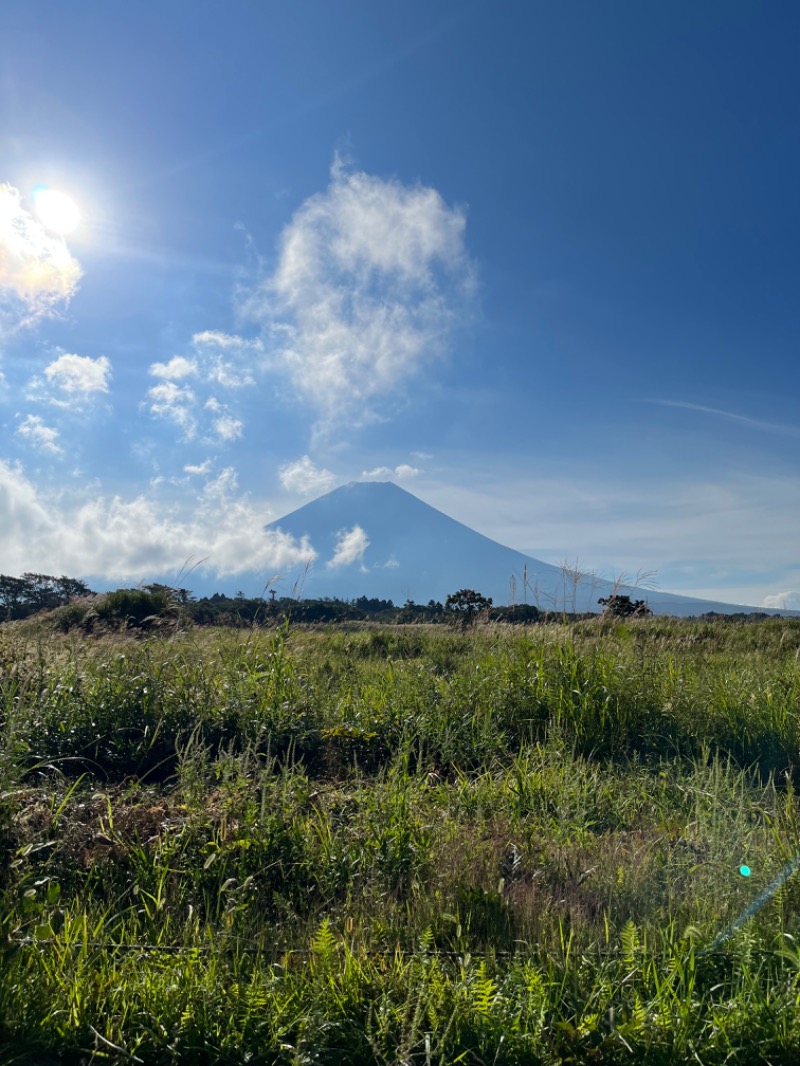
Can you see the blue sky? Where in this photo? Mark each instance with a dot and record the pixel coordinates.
(536, 262)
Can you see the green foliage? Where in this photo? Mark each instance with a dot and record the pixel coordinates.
(400, 845)
(26, 595)
(466, 604)
(620, 606)
(135, 608)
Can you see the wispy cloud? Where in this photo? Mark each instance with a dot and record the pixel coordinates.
(743, 420)
(223, 426)
(37, 270)
(176, 403)
(228, 428)
(371, 278)
(350, 547)
(41, 436)
(227, 359)
(222, 361)
(304, 478)
(141, 537)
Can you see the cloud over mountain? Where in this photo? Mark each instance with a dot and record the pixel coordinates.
(304, 478)
(350, 547)
(381, 473)
(370, 277)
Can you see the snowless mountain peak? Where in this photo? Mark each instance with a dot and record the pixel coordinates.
(376, 539)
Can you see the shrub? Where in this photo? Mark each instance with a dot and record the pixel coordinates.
(135, 608)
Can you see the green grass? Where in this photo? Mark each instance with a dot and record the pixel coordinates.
(400, 846)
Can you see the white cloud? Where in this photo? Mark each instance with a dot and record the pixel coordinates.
(79, 375)
(37, 270)
(350, 547)
(175, 403)
(222, 361)
(784, 601)
(401, 472)
(210, 339)
(43, 437)
(228, 428)
(371, 277)
(142, 537)
(178, 367)
(405, 471)
(304, 478)
(227, 359)
(198, 468)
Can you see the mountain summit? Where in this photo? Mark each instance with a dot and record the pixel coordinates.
(378, 540)
(410, 550)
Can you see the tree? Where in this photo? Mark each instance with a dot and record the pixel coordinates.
(12, 595)
(23, 596)
(465, 604)
(619, 606)
(70, 588)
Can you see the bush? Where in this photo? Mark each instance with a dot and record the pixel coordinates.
(72, 616)
(135, 608)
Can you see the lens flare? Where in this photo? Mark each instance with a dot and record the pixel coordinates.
(55, 210)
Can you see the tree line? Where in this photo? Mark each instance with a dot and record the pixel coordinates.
(31, 593)
(76, 605)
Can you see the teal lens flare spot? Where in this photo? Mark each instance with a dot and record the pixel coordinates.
(744, 871)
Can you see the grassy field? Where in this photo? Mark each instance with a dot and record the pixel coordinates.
(401, 845)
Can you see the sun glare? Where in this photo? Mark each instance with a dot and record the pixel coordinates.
(55, 210)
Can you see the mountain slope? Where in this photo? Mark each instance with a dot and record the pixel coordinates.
(392, 545)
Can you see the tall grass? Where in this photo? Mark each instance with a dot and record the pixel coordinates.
(400, 846)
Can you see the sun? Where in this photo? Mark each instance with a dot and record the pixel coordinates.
(55, 210)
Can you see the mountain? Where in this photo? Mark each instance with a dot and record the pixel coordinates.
(375, 539)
